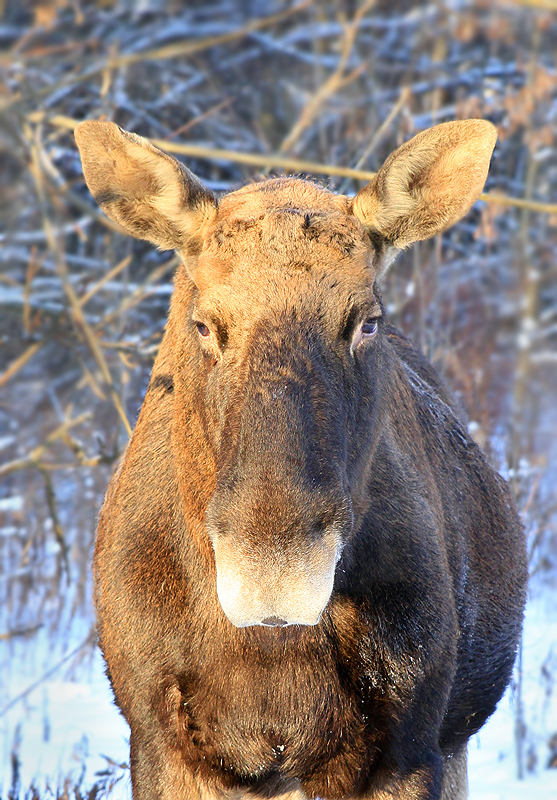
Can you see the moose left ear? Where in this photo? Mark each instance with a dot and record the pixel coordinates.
(428, 184)
(150, 194)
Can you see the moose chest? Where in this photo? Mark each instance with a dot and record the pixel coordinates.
(265, 711)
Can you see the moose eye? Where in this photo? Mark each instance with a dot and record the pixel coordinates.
(369, 327)
(364, 333)
(202, 329)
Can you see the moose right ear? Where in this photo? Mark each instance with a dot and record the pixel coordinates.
(428, 184)
(150, 194)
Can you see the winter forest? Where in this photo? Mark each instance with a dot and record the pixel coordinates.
(239, 90)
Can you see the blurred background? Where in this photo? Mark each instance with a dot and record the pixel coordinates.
(239, 90)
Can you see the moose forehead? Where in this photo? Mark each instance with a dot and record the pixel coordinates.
(283, 232)
(286, 227)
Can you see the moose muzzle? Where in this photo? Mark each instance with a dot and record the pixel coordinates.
(260, 585)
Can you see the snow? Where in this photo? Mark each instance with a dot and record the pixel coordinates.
(64, 729)
(491, 753)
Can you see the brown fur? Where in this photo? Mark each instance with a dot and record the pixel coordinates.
(297, 461)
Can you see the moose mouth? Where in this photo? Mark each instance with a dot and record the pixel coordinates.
(274, 622)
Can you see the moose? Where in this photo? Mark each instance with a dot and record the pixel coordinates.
(309, 581)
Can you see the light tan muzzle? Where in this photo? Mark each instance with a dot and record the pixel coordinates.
(282, 586)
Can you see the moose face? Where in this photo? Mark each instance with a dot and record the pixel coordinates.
(285, 321)
(284, 341)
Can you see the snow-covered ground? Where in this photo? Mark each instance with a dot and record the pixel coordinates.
(63, 729)
(70, 729)
(492, 752)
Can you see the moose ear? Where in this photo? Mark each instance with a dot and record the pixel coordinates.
(150, 194)
(428, 184)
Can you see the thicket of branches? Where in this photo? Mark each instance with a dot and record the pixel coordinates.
(267, 85)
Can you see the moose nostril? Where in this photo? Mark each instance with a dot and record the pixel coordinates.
(274, 622)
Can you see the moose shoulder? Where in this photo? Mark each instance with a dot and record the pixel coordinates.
(309, 581)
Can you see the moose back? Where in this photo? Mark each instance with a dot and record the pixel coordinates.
(309, 581)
